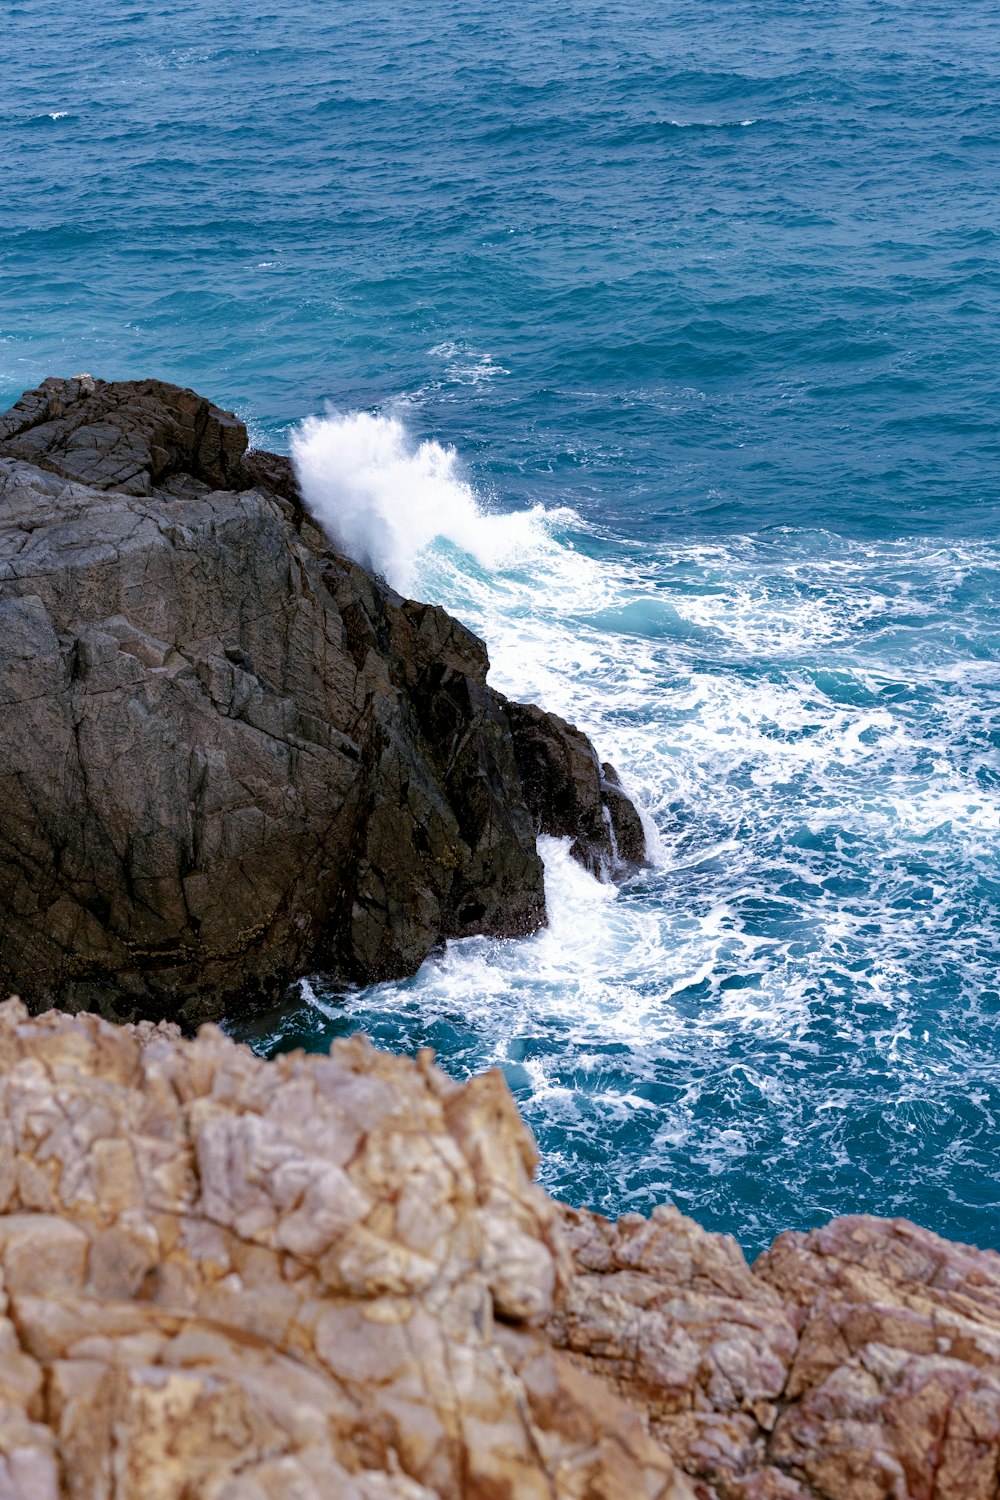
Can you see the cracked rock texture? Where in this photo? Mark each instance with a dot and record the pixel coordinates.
(229, 755)
(223, 1277)
(319, 1277)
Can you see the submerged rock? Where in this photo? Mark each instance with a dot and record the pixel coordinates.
(334, 1276)
(228, 754)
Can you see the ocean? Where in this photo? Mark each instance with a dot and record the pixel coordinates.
(660, 342)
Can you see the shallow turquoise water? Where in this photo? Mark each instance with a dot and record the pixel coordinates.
(717, 288)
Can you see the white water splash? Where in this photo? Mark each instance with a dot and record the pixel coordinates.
(384, 499)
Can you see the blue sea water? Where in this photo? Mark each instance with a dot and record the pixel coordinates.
(707, 297)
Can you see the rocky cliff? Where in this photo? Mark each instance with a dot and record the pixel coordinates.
(334, 1277)
(229, 755)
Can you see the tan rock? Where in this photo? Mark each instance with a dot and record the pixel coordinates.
(335, 1277)
(231, 1278)
(859, 1362)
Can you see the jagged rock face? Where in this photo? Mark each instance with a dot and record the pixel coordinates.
(858, 1362)
(314, 1277)
(252, 1281)
(229, 755)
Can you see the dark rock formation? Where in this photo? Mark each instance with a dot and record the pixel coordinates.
(229, 755)
(570, 794)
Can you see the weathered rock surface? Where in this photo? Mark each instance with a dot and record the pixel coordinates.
(314, 1277)
(229, 1278)
(858, 1362)
(229, 755)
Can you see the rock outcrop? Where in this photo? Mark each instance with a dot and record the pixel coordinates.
(229, 755)
(860, 1361)
(315, 1277)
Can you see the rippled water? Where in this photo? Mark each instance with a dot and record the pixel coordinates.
(717, 288)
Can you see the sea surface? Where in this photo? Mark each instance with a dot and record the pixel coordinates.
(661, 343)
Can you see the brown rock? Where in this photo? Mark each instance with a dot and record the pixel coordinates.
(571, 795)
(858, 1362)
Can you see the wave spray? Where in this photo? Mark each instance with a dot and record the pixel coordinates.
(384, 499)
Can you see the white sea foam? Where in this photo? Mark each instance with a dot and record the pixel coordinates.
(466, 365)
(803, 724)
(708, 124)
